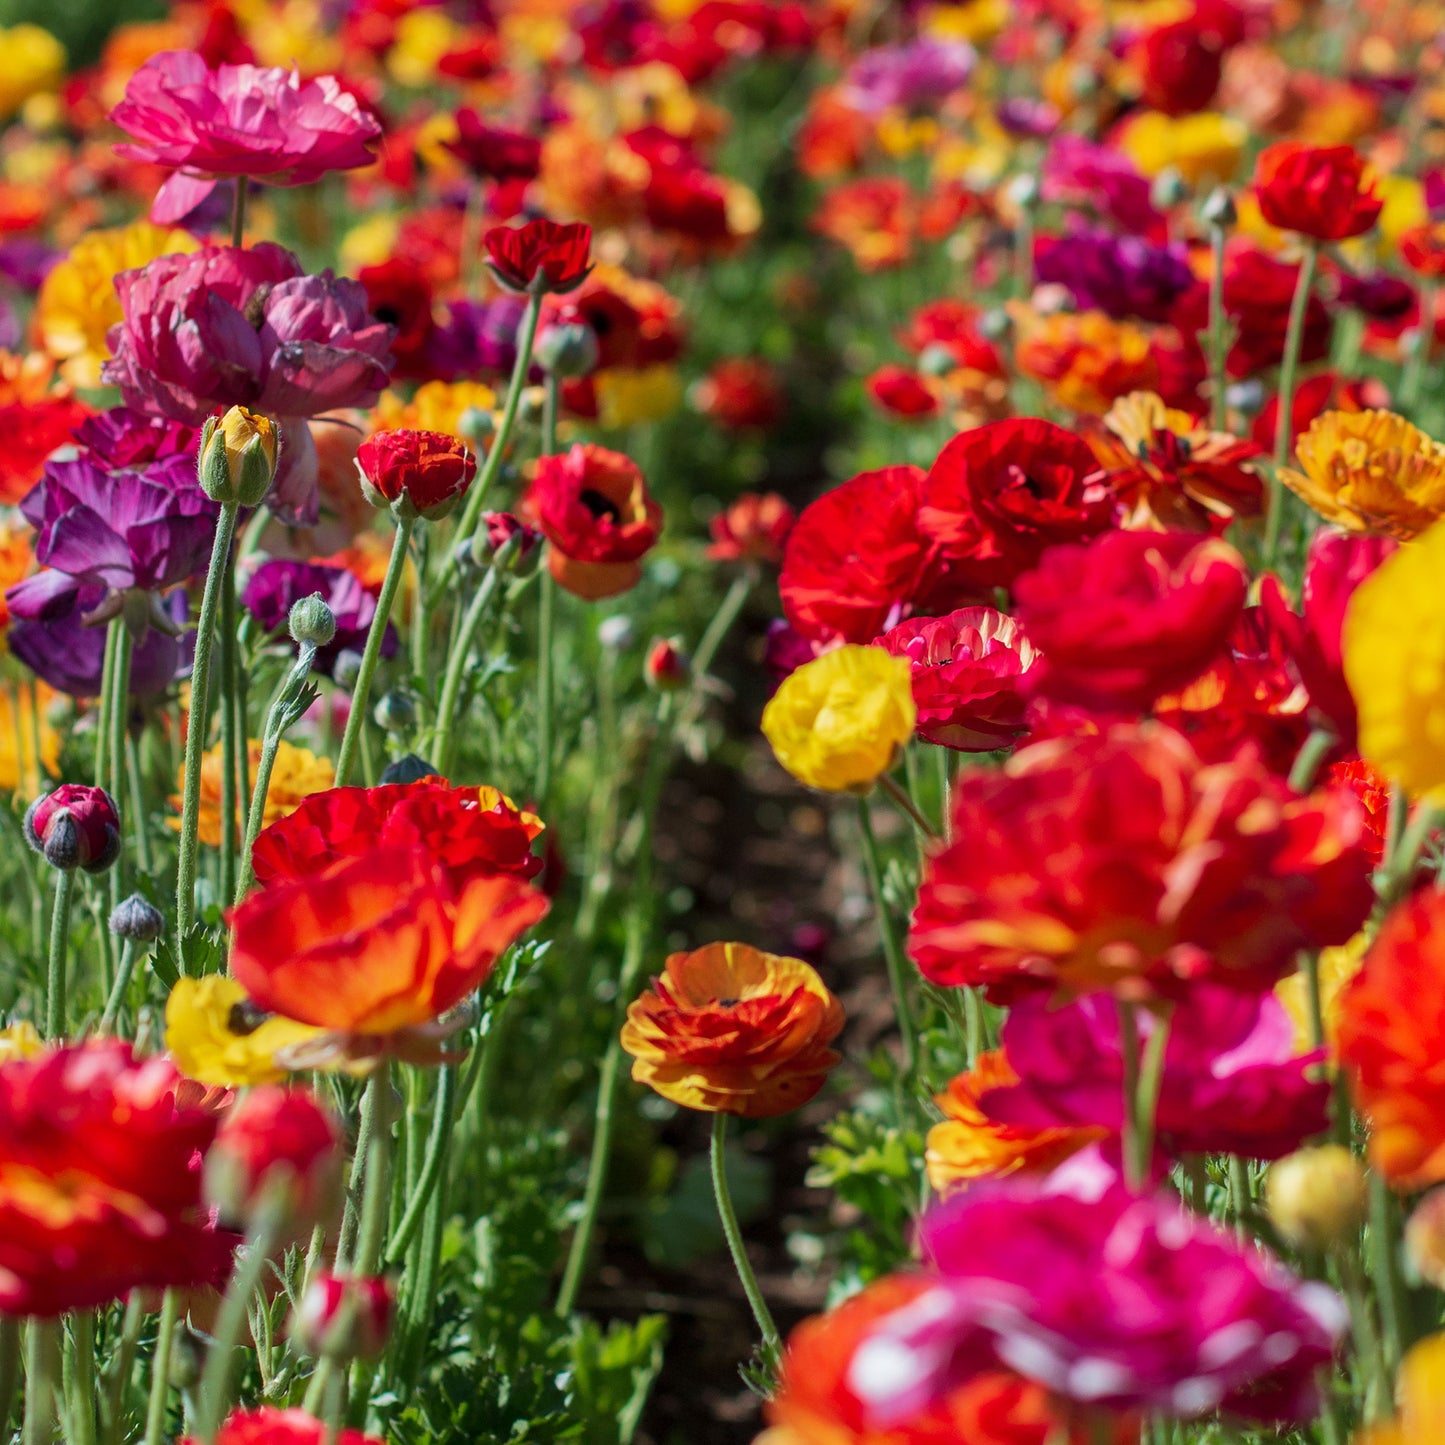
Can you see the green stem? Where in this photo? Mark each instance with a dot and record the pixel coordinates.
(55, 993)
(80, 1368)
(377, 1184)
(231, 1320)
(456, 670)
(233, 740)
(1151, 1079)
(356, 719)
(200, 718)
(1218, 335)
(1385, 1268)
(1129, 1055)
(119, 988)
(103, 764)
(139, 829)
(118, 1370)
(772, 1343)
(1289, 368)
(9, 1370)
(432, 1167)
(238, 214)
(921, 825)
(161, 1368)
(42, 1348)
(477, 495)
(119, 736)
(892, 949)
(1419, 360)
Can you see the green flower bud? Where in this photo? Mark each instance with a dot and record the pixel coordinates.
(312, 621)
(237, 461)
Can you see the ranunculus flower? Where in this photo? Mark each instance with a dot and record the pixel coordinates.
(1232, 1082)
(493, 151)
(1122, 276)
(539, 256)
(901, 391)
(238, 120)
(415, 473)
(967, 676)
(219, 1038)
(741, 393)
(35, 418)
(1180, 64)
(856, 563)
(732, 1030)
(132, 534)
(595, 509)
(1089, 861)
(997, 496)
(1086, 360)
(753, 529)
(100, 1181)
(838, 722)
(276, 586)
(272, 1426)
(815, 1403)
(343, 1316)
(1103, 1298)
(470, 831)
(1391, 1041)
(76, 826)
(1129, 617)
(1393, 643)
(1079, 171)
(917, 74)
(1323, 192)
(296, 774)
(1370, 471)
(376, 944)
(227, 327)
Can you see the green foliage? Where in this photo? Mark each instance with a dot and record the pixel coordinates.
(683, 1226)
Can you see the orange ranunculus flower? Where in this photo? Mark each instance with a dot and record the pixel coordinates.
(732, 1030)
(1323, 192)
(377, 944)
(297, 774)
(1392, 1043)
(36, 417)
(968, 1145)
(1422, 248)
(1086, 359)
(814, 1404)
(1420, 1399)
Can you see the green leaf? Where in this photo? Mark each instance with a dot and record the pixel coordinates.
(201, 951)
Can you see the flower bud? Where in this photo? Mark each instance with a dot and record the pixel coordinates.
(476, 424)
(347, 668)
(343, 1317)
(1425, 1238)
(279, 1147)
(415, 473)
(237, 459)
(311, 621)
(408, 769)
(936, 360)
(511, 543)
(1219, 209)
(994, 324)
(567, 348)
(75, 827)
(136, 920)
(667, 667)
(395, 711)
(1316, 1197)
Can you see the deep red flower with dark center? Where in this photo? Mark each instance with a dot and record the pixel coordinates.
(488, 150)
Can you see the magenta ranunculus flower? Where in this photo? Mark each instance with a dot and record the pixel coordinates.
(1232, 1081)
(966, 671)
(227, 327)
(238, 120)
(1104, 1298)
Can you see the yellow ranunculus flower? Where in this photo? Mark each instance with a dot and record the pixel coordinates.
(1394, 658)
(1420, 1391)
(22, 712)
(838, 722)
(34, 64)
(20, 1041)
(214, 1040)
(1370, 471)
(422, 38)
(297, 774)
(78, 305)
(628, 395)
(436, 406)
(1203, 148)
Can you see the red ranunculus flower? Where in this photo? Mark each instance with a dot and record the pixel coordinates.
(998, 495)
(1121, 858)
(376, 944)
(1180, 65)
(100, 1181)
(1324, 192)
(1422, 248)
(753, 529)
(76, 826)
(420, 473)
(856, 563)
(539, 256)
(741, 393)
(1129, 617)
(967, 672)
(595, 509)
(271, 1426)
(472, 832)
(487, 150)
(903, 392)
(399, 292)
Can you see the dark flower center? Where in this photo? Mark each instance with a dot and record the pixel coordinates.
(599, 505)
(245, 1018)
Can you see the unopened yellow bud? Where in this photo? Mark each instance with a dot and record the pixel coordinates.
(237, 461)
(1316, 1197)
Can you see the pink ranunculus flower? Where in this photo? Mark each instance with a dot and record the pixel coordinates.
(966, 671)
(1105, 1298)
(227, 327)
(238, 120)
(1232, 1081)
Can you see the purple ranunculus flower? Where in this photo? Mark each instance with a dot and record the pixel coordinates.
(1232, 1081)
(11, 332)
(1104, 1298)
(129, 534)
(276, 586)
(1121, 275)
(916, 75)
(1378, 295)
(1080, 172)
(224, 327)
(475, 336)
(69, 655)
(122, 437)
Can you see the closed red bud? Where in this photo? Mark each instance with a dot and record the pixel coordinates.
(279, 1147)
(343, 1318)
(75, 827)
(667, 667)
(415, 473)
